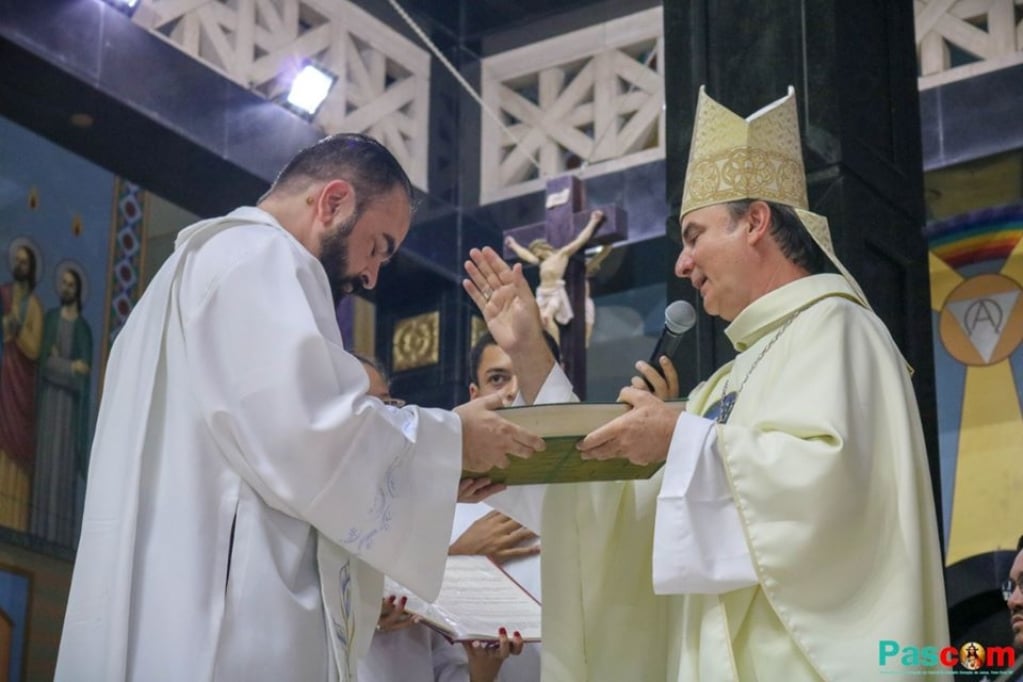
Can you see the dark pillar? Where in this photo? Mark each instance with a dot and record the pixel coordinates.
(853, 64)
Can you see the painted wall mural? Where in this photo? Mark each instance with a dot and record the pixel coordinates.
(976, 266)
(56, 212)
(15, 603)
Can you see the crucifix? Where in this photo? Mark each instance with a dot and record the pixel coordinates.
(565, 220)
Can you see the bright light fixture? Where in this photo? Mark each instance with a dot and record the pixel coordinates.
(309, 89)
(126, 6)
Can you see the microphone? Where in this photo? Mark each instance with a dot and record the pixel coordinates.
(679, 317)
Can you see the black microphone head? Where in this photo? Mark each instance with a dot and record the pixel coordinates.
(679, 317)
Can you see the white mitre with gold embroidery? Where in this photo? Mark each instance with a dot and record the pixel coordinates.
(759, 157)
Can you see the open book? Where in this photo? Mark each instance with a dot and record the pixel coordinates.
(562, 425)
(476, 599)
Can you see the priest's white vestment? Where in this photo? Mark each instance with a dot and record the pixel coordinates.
(234, 427)
(784, 544)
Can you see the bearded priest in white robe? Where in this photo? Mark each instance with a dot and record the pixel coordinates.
(244, 493)
(792, 528)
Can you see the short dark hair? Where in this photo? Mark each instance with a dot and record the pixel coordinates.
(1019, 544)
(790, 235)
(359, 159)
(487, 339)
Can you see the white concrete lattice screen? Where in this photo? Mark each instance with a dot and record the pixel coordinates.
(383, 83)
(990, 31)
(595, 95)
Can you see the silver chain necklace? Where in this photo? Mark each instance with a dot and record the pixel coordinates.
(728, 399)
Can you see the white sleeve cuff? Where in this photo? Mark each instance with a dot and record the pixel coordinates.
(699, 544)
(556, 389)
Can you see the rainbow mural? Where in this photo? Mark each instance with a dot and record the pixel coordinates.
(988, 235)
(976, 269)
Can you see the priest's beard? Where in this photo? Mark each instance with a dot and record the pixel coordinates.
(334, 259)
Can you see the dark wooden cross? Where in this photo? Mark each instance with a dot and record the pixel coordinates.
(565, 218)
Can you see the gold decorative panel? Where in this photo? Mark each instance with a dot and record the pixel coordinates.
(416, 342)
(477, 328)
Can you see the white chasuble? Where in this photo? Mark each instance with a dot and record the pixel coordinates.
(823, 460)
(234, 442)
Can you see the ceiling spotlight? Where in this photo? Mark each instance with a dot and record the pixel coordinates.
(309, 89)
(126, 6)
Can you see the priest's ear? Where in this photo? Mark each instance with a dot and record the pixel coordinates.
(758, 220)
(335, 202)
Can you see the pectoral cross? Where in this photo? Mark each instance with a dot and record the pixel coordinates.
(564, 221)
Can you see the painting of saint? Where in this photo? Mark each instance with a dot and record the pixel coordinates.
(63, 416)
(22, 337)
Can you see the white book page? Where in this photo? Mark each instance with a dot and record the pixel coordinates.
(476, 599)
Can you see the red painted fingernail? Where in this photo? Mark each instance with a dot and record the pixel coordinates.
(518, 634)
(404, 600)
(502, 631)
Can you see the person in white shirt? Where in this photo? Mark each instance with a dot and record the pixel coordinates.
(407, 651)
(504, 539)
(244, 494)
(792, 526)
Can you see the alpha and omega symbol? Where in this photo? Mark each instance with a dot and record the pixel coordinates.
(981, 321)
